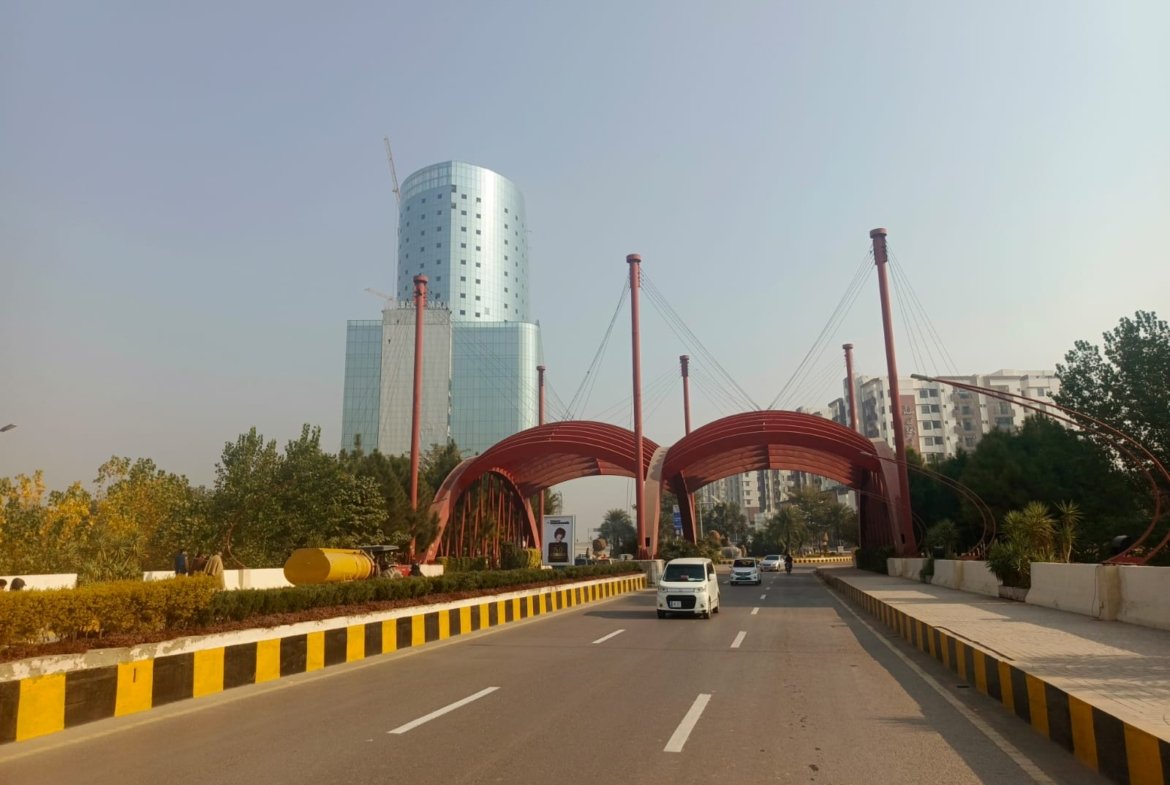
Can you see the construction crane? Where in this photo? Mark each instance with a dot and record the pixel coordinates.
(393, 172)
(383, 295)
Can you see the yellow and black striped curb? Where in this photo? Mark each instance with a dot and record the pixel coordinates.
(823, 560)
(1102, 742)
(40, 705)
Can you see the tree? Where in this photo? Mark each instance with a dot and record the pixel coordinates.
(1128, 385)
(146, 514)
(728, 520)
(617, 528)
(788, 528)
(244, 507)
(1048, 463)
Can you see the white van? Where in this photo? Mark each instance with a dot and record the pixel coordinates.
(688, 586)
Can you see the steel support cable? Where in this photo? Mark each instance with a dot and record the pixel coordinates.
(678, 328)
(626, 403)
(558, 404)
(702, 351)
(673, 319)
(942, 347)
(908, 326)
(837, 315)
(831, 326)
(799, 376)
(656, 400)
(814, 385)
(651, 398)
(502, 370)
(591, 371)
(715, 394)
(912, 318)
(913, 329)
(715, 389)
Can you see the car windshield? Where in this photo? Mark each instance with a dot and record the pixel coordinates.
(684, 572)
(744, 563)
(772, 558)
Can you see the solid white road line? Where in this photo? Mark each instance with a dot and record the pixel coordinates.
(755, 611)
(679, 739)
(613, 634)
(738, 639)
(1021, 760)
(440, 712)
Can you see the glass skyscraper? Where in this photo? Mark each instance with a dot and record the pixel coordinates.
(464, 227)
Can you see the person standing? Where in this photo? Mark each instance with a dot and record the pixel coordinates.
(17, 584)
(181, 563)
(214, 568)
(198, 563)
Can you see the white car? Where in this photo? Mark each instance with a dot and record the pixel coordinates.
(745, 571)
(688, 586)
(773, 562)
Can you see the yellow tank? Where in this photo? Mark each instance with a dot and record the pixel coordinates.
(327, 565)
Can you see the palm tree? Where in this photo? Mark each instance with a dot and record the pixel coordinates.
(1065, 536)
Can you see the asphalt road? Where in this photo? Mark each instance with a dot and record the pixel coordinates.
(786, 684)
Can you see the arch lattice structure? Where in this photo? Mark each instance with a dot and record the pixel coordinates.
(772, 439)
(535, 459)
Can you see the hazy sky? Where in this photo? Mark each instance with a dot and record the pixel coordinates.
(193, 197)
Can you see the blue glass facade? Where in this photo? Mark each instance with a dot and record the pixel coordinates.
(464, 227)
(361, 398)
(493, 382)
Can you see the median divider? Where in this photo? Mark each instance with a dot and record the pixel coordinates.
(44, 695)
(1110, 746)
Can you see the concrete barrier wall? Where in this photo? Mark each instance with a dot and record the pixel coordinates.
(1144, 595)
(978, 578)
(44, 695)
(905, 568)
(65, 580)
(948, 572)
(1076, 588)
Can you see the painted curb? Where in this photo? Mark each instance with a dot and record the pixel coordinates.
(1104, 743)
(49, 703)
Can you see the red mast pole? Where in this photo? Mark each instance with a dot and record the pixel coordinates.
(905, 525)
(685, 362)
(643, 551)
(852, 387)
(540, 421)
(420, 303)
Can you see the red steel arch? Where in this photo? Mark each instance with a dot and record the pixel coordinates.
(772, 439)
(540, 458)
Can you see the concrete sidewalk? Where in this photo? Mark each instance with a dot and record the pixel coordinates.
(1099, 688)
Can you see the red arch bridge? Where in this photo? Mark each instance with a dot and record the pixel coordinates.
(486, 498)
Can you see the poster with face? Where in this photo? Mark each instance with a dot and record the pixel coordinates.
(557, 540)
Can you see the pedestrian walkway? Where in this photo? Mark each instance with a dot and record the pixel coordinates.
(1100, 688)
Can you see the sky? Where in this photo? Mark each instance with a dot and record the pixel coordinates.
(194, 198)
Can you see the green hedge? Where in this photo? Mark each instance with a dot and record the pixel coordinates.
(98, 609)
(181, 604)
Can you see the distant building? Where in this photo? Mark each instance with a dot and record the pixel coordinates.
(939, 420)
(464, 227)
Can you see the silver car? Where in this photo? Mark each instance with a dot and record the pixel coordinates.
(745, 571)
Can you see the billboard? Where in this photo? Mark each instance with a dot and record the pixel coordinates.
(557, 537)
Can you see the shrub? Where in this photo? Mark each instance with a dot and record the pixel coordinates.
(1028, 536)
(101, 609)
